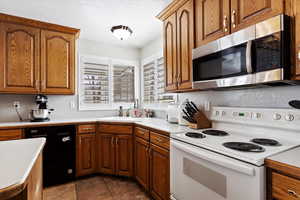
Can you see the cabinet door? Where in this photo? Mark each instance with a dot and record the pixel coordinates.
(141, 158)
(245, 12)
(159, 173)
(106, 153)
(57, 63)
(19, 58)
(212, 20)
(12, 134)
(185, 44)
(170, 51)
(124, 154)
(86, 160)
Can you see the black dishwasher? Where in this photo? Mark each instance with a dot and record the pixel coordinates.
(59, 153)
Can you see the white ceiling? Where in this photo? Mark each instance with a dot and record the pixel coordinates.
(95, 17)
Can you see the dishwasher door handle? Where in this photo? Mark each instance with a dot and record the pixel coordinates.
(66, 139)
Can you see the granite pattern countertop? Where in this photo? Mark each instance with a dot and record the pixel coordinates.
(155, 123)
(17, 157)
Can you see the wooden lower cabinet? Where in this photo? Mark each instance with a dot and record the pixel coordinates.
(124, 155)
(142, 162)
(11, 134)
(159, 173)
(106, 153)
(115, 154)
(152, 164)
(86, 149)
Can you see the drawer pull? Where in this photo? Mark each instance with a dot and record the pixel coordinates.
(87, 129)
(293, 193)
(159, 140)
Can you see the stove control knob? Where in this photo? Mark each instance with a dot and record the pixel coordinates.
(276, 116)
(289, 117)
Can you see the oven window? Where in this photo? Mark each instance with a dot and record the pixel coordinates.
(226, 63)
(267, 50)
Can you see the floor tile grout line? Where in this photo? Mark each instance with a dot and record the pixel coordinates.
(111, 193)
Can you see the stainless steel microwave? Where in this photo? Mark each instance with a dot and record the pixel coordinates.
(256, 55)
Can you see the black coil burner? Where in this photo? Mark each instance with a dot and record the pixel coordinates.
(243, 146)
(215, 132)
(195, 135)
(265, 142)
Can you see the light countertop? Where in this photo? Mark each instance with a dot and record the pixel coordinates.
(155, 123)
(17, 157)
(290, 157)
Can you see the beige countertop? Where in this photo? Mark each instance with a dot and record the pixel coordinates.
(290, 157)
(155, 123)
(17, 157)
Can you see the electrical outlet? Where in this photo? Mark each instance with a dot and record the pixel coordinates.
(207, 106)
(16, 104)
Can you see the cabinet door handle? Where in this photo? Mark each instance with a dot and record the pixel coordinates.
(159, 140)
(225, 23)
(298, 55)
(43, 84)
(87, 129)
(117, 141)
(112, 141)
(37, 84)
(293, 193)
(233, 18)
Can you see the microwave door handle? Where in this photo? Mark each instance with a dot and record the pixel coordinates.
(249, 57)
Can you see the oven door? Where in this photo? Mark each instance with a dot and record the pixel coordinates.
(197, 173)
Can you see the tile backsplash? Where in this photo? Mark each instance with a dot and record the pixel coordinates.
(277, 97)
(60, 103)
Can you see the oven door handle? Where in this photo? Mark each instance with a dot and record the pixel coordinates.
(249, 57)
(217, 159)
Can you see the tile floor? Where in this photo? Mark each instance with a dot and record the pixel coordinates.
(97, 188)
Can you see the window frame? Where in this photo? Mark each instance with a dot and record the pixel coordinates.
(157, 105)
(110, 62)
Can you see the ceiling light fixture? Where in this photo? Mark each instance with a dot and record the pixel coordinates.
(121, 32)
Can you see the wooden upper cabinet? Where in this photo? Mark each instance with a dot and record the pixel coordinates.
(248, 12)
(19, 58)
(170, 52)
(212, 20)
(57, 63)
(86, 159)
(124, 160)
(106, 153)
(185, 44)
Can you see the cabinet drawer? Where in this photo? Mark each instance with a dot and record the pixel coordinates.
(118, 129)
(87, 128)
(13, 134)
(160, 140)
(142, 133)
(284, 187)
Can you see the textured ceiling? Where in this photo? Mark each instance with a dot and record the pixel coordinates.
(95, 17)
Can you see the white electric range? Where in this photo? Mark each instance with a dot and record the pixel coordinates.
(226, 162)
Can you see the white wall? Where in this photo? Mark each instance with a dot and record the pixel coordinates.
(153, 47)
